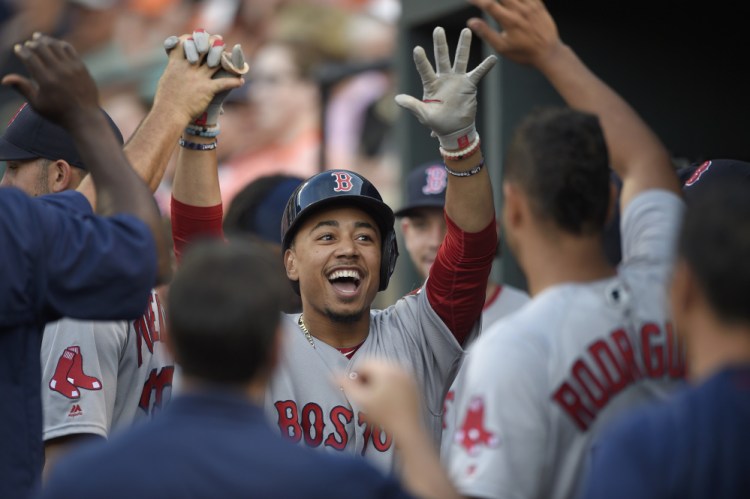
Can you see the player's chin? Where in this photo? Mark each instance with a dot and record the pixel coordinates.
(345, 315)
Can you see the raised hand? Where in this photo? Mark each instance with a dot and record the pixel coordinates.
(60, 86)
(529, 34)
(387, 394)
(191, 87)
(449, 102)
(204, 52)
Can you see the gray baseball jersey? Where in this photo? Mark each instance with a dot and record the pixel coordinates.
(100, 376)
(506, 300)
(539, 384)
(306, 407)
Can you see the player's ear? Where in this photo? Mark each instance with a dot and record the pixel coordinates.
(60, 175)
(404, 225)
(683, 295)
(513, 205)
(290, 264)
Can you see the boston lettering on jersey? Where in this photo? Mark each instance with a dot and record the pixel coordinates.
(308, 424)
(611, 364)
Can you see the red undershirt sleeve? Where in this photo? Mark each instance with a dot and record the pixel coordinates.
(194, 222)
(458, 279)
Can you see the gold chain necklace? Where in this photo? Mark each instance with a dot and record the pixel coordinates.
(302, 326)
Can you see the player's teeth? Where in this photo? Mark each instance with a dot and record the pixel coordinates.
(344, 273)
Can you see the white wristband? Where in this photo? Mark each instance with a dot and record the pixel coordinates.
(458, 140)
(462, 153)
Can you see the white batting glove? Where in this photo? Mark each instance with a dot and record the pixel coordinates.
(449, 102)
(232, 65)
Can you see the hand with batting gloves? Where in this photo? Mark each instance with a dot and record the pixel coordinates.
(449, 102)
(207, 51)
(189, 89)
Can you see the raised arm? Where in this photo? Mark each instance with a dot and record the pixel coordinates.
(458, 278)
(530, 37)
(185, 90)
(448, 108)
(62, 90)
(196, 198)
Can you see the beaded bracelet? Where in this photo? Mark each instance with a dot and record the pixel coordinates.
(202, 131)
(462, 153)
(195, 146)
(467, 173)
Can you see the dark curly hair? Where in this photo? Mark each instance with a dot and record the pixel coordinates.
(559, 157)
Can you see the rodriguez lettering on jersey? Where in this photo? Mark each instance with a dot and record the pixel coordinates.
(611, 364)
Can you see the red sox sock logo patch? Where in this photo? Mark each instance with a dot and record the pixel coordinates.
(69, 375)
(473, 434)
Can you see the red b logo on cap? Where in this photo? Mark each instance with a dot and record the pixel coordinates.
(697, 173)
(343, 182)
(436, 180)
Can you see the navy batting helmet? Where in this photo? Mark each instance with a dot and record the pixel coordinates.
(346, 188)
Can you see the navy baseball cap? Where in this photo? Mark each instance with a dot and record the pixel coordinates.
(268, 213)
(425, 188)
(699, 176)
(30, 136)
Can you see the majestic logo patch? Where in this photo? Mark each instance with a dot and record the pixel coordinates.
(343, 181)
(473, 434)
(75, 411)
(436, 180)
(69, 375)
(697, 173)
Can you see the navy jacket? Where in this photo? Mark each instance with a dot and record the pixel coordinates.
(56, 259)
(210, 445)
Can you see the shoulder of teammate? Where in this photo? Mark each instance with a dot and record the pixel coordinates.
(628, 458)
(48, 235)
(512, 337)
(501, 414)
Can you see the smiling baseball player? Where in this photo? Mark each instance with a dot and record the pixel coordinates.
(340, 250)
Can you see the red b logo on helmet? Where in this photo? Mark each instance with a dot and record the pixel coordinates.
(343, 182)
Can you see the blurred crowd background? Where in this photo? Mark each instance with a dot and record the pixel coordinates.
(318, 95)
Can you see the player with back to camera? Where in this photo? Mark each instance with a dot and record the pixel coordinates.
(339, 251)
(595, 340)
(696, 443)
